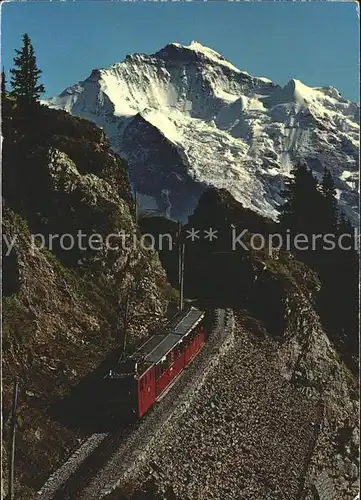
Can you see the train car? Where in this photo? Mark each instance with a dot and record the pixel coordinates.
(137, 382)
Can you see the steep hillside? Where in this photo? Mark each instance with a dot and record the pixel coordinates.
(189, 118)
(258, 429)
(64, 309)
(277, 418)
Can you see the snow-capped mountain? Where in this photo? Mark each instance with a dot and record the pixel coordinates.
(185, 118)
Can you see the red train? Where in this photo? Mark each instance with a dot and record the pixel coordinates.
(137, 382)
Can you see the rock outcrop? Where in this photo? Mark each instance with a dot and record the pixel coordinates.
(64, 299)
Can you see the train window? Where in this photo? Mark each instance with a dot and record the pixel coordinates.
(164, 364)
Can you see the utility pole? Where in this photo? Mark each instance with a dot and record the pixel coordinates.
(181, 281)
(136, 204)
(181, 252)
(125, 322)
(179, 234)
(13, 430)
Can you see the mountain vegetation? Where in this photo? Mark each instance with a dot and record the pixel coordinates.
(311, 210)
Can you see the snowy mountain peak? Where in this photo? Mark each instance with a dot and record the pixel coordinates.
(198, 47)
(293, 92)
(195, 51)
(185, 117)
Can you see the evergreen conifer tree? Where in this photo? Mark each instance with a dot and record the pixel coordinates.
(3, 84)
(312, 209)
(299, 213)
(329, 202)
(345, 275)
(25, 75)
(344, 226)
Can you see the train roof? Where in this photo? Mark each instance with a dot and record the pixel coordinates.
(162, 349)
(148, 347)
(192, 317)
(158, 346)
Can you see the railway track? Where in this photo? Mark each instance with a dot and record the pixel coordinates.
(95, 468)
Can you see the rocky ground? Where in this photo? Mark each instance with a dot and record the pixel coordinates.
(248, 434)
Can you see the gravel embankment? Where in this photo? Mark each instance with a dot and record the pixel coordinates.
(248, 434)
(62, 474)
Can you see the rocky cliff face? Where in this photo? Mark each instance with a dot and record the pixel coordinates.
(205, 122)
(63, 310)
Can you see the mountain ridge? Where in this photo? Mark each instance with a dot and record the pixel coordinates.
(234, 131)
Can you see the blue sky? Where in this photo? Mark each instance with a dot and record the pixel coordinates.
(316, 43)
